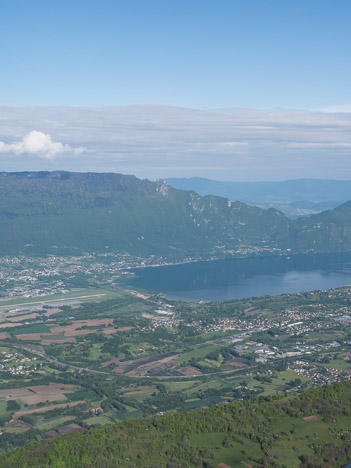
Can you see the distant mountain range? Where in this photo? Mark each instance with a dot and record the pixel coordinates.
(73, 213)
(293, 197)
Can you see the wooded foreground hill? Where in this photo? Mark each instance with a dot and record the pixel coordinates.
(310, 430)
(75, 213)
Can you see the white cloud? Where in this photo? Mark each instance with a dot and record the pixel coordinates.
(320, 145)
(161, 141)
(38, 144)
(343, 108)
(235, 143)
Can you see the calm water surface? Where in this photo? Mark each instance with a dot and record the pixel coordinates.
(244, 277)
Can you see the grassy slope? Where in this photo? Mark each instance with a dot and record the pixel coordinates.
(267, 432)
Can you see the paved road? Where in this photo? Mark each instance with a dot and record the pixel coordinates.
(41, 354)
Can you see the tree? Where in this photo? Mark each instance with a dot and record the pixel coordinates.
(12, 405)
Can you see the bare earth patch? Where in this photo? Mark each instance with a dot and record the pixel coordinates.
(131, 365)
(190, 371)
(76, 328)
(17, 427)
(8, 325)
(113, 361)
(31, 336)
(53, 311)
(247, 464)
(71, 428)
(20, 318)
(50, 434)
(238, 362)
(53, 387)
(69, 331)
(311, 418)
(45, 409)
(36, 398)
(45, 338)
(37, 394)
(137, 294)
(251, 311)
(147, 316)
(109, 331)
(162, 364)
(15, 392)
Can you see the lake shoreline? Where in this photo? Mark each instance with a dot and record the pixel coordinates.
(242, 277)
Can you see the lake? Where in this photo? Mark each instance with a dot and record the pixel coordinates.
(237, 278)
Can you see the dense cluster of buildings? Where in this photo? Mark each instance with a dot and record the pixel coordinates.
(16, 364)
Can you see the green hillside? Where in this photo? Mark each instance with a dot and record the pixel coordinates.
(73, 213)
(305, 430)
(329, 231)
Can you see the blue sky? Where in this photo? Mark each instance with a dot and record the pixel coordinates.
(228, 89)
(193, 53)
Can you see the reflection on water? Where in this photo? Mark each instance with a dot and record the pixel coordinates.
(245, 277)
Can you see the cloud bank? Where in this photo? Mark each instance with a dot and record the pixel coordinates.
(161, 141)
(38, 144)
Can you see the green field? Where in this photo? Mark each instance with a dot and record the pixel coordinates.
(165, 367)
(307, 430)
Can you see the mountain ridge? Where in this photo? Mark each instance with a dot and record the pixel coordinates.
(293, 197)
(298, 189)
(72, 213)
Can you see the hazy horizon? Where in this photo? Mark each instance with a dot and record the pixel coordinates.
(188, 178)
(164, 141)
(240, 91)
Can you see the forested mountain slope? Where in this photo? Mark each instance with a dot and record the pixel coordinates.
(73, 213)
(329, 231)
(306, 430)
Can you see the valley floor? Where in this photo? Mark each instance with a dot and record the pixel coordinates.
(94, 356)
